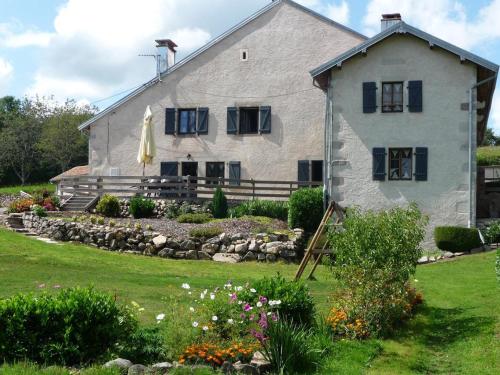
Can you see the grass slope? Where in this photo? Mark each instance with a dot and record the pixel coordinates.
(488, 155)
(11, 190)
(456, 332)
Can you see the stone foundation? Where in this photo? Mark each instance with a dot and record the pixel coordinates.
(268, 247)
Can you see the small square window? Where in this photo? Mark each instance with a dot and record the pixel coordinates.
(214, 169)
(243, 54)
(249, 120)
(187, 121)
(317, 170)
(392, 97)
(400, 164)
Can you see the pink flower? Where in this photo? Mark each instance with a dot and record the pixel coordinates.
(252, 317)
(262, 299)
(234, 297)
(247, 307)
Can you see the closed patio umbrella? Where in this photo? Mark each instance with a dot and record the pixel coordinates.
(147, 147)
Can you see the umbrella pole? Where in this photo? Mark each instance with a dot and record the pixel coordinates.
(143, 168)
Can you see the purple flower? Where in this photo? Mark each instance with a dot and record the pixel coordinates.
(274, 317)
(247, 307)
(263, 321)
(252, 317)
(262, 299)
(234, 297)
(242, 316)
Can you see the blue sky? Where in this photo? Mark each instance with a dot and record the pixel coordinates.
(87, 49)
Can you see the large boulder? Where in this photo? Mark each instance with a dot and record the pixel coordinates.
(227, 258)
(138, 370)
(160, 241)
(122, 364)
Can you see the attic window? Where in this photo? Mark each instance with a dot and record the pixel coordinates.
(244, 54)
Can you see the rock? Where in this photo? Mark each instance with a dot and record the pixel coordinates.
(227, 258)
(224, 238)
(274, 247)
(237, 236)
(261, 257)
(202, 255)
(210, 248)
(166, 253)
(432, 259)
(423, 260)
(272, 237)
(191, 254)
(227, 368)
(160, 241)
(249, 256)
(179, 255)
(230, 249)
(137, 370)
(120, 363)
(244, 368)
(459, 254)
(253, 246)
(448, 254)
(161, 368)
(188, 245)
(271, 257)
(141, 246)
(241, 248)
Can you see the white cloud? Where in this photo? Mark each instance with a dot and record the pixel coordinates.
(338, 12)
(447, 19)
(6, 71)
(15, 35)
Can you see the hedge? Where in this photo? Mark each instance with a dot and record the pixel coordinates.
(456, 239)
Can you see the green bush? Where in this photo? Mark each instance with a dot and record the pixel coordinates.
(492, 233)
(272, 209)
(75, 326)
(456, 239)
(375, 253)
(39, 210)
(145, 345)
(205, 232)
(296, 305)
(108, 206)
(305, 209)
(141, 207)
(488, 155)
(219, 204)
(194, 218)
(290, 348)
(171, 210)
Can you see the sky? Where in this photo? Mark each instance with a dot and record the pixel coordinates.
(88, 50)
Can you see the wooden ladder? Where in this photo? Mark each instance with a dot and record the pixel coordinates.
(311, 249)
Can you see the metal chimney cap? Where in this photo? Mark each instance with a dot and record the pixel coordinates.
(391, 16)
(166, 43)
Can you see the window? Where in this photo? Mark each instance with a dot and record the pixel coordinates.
(249, 120)
(243, 54)
(317, 170)
(400, 164)
(187, 121)
(214, 169)
(392, 97)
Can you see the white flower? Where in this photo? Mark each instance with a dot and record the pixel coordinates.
(160, 317)
(416, 280)
(212, 296)
(191, 309)
(230, 321)
(238, 288)
(202, 295)
(253, 290)
(227, 286)
(274, 302)
(195, 324)
(214, 318)
(240, 302)
(205, 328)
(259, 304)
(185, 286)
(269, 313)
(140, 309)
(189, 293)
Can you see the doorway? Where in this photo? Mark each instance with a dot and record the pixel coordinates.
(190, 168)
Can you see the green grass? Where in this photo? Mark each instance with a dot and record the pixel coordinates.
(8, 190)
(457, 330)
(488, 155)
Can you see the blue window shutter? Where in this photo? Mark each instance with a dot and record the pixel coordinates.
(303, 171)
(234, 172)
(415, 96)
(202, 121)
(170, 121)
(265, 119)
(369, 97)
(421, 156)
(169, 168)
(232, 120)
(379, 163)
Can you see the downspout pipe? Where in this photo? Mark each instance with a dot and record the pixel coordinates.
(472, 107)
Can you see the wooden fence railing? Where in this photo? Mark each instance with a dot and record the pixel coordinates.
(182, 187)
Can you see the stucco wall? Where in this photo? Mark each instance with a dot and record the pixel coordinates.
(442, 127)
(283, 45)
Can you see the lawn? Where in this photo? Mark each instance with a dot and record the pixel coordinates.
(11, 190)
(488, 155)
(457, 331)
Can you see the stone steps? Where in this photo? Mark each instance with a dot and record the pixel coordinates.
(76, 203)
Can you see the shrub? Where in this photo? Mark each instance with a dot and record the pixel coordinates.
(296, 305)
(456, 239)
(100, 220)
(194, 218)
(141, 207)
(112, 223)
(205, 232)
(39, 210)
(93, 219)
(75, 326)
(171, 210)
(492, 232)
(145, 345)
(219, 204)
(305, 209)
(272, 209)
(20, 205)
(290, 348)
(375, 255)
(185, 208)
(108, 206)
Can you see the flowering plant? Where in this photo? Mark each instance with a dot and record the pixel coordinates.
(216, 355)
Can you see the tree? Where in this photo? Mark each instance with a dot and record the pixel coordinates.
(61, 142)
(490, 139)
